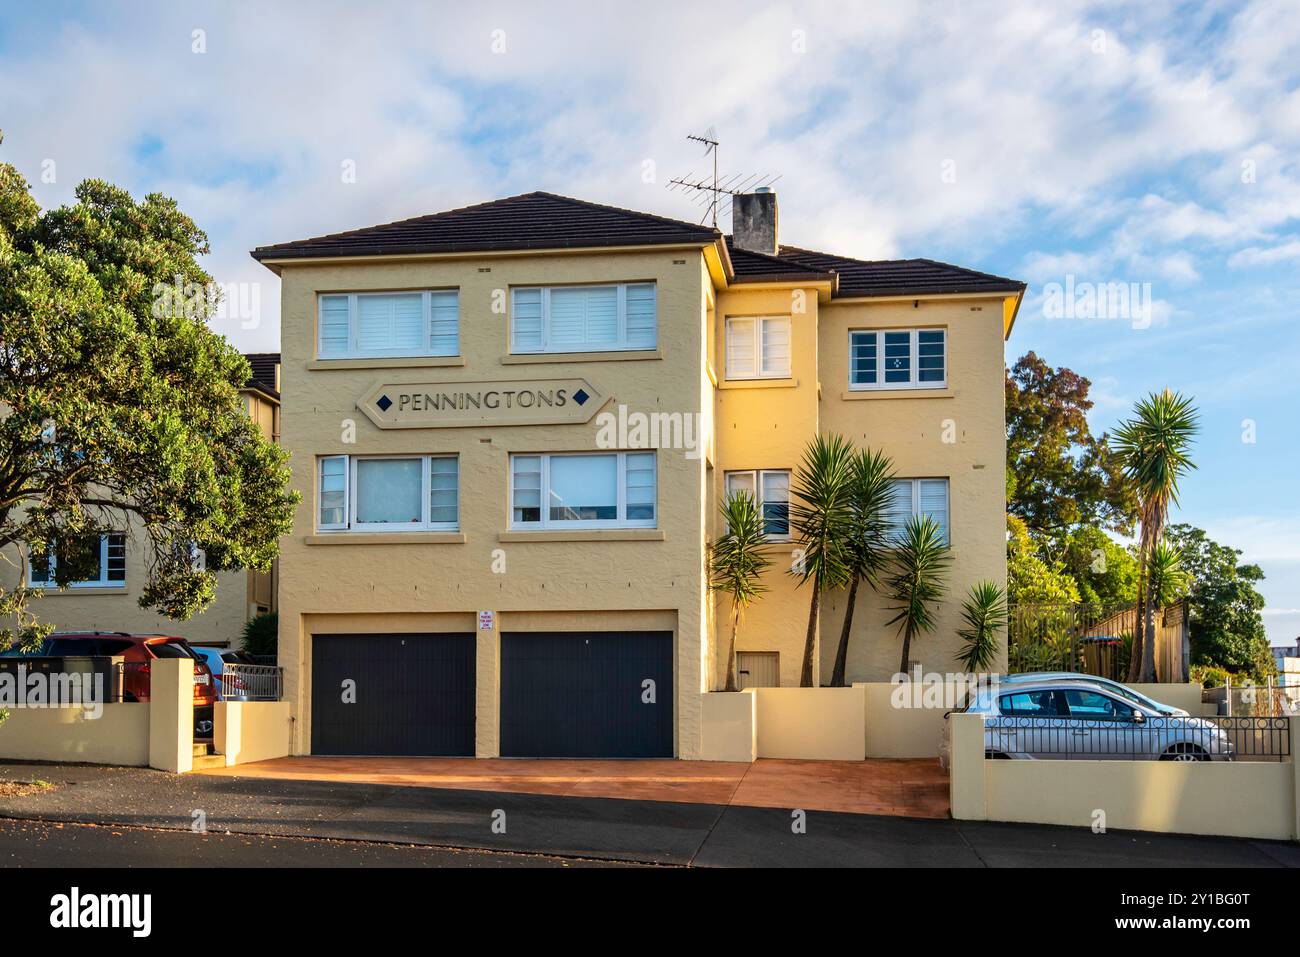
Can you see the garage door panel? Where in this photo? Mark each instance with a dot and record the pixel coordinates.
(414, 694)
(580, 694)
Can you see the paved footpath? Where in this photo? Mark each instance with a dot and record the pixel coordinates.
(704, 835)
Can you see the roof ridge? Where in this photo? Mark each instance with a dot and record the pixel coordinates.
(914, 259)
(425, 217)
(769, 256)
(627, 212)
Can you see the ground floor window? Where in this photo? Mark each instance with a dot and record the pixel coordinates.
(95, 561)
(389, 493)
(583, 490)
(771, 489)
(919, 496)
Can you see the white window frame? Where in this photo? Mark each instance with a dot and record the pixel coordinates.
(622, 343)
(916, 502)
(548, 524)
(757, 333)
(350, 524)
(103, 581)
(355, 352)
(914, 354)
(758, 475)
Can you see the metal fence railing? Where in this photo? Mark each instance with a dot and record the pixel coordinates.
(252, 682)
(1165, 739)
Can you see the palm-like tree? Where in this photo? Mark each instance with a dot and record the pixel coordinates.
(1166, 575)
(916, 581)
(1154, 446)
(737, 561)
(985, 614)
(866, 541)
(819, 514)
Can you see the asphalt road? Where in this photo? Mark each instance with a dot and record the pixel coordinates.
(356, 820)
(37, 844)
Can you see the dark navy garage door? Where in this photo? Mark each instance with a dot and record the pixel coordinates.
(584, 694)
(414, 694)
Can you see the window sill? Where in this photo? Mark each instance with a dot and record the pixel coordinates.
(595, 535)
(395, 362)
(54, 590)
(386, 538)
(854, 394)
(773, 383)
(612, 356)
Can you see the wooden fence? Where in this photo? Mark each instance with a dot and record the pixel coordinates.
(1094, 639)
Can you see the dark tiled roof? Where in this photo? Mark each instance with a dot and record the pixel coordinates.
(898, 277)
(263, 364)
(750, 266)
(529, 221)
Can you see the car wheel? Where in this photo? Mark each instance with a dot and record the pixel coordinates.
(1185, 752)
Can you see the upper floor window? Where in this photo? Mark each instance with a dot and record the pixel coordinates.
(771, 489)
(898, 359)
(389, 493)
(97, 562)
(758, 347)
(915, 497)
(372, 325)
(583, 490)
(583, 318)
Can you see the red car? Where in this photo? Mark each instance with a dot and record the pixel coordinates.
(138, 652)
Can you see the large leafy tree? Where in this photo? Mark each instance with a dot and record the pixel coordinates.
(1059, 475)
(119, 407)
(1105, 571)
(1227, 630)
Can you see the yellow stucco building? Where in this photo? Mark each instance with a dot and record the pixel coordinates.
(512, 424)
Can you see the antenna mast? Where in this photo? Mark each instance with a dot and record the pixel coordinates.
(711, 191)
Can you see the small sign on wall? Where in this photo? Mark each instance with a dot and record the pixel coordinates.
(487, 620)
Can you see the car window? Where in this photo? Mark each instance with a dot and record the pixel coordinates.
(1029, 704)
(171, 649)
(1094, 704)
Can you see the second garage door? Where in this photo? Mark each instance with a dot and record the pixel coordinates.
(392, 694)
(587, 694)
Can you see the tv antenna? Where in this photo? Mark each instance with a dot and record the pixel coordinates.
(710, 192)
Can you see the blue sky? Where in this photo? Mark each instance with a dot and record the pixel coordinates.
(1067, 141)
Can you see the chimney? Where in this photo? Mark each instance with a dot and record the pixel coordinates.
(753, 221)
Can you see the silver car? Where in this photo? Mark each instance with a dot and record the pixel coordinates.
(1114, 687)
(1078, 719)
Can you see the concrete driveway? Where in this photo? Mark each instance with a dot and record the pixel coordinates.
(885, 787)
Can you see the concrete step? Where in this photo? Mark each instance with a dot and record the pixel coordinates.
(209, 761)
(202, 748)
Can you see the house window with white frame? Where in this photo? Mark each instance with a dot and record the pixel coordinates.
(388, 493)
(758, 347)
(601, 318)
(898, 359)
(917, 497)
(372, 325)
(771, 489)
(583, 490)
(100, 560)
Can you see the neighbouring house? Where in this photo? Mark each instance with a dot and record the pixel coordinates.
(512, 425)
(110, 601)
(1287, 660)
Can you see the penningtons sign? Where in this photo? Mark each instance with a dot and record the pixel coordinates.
(440, 405)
